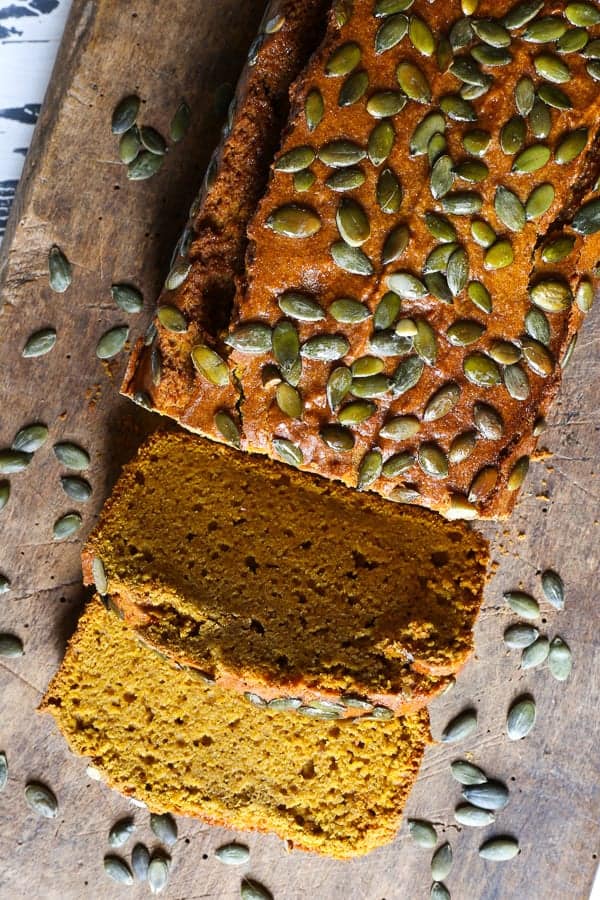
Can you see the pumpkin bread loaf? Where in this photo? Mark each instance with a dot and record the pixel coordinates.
(161, 735)
(422, 257)
(290, 588)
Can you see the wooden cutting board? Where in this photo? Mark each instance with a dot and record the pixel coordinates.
(74, 193)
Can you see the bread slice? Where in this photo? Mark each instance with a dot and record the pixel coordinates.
(161, 735)
(395, 265)
(290, 588)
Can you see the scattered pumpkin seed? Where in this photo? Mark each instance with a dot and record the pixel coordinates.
(180, 122)
(288, 451)
(521, 718)
(488, 421)
(4, 493)
(583, 14)
(351, 259)
(520, 635)
(388, 192)
(233, 854)
(158, 874)
(584, 296)
(117, 869)
(3, 770)
(499, 849)
(523, 604)
(554, 589)
(76, 488)
(439, 891)
(152, 140)
(112, 342)
(99, 575)
(537, 325)
(251, 337)
(129, 145)
(518, 473)
(400, 428)
(252, 890)
(164, 827)
(144, 166)
(587, 218)
(39, 343)
(60, 270)
(491, 795)
(121, 831)
(554, 96)
(441, 862)
(385, 103)
(473, 816)
(125, 114)
(30, 438)
(127, 298)
(325, 347)
(13, 461)
(536, 653)
(71, 455)
(140, 860)
(423, 833)
(560, 660)
(11, 646)
(467, 773)
(41, 800)
(433, 123)
(352, 222)
(66, 526)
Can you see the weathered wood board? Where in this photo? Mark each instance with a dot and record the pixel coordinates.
(75, 194)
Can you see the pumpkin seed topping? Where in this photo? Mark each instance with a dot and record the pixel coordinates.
(351, 259)
(294, 221)
(480, 296)
(251, 337)
(398, 464)
(587, 218)
(539, 201)
(552, 68)
(385, 103)
(289, 400)
(462, 203)
(545, 30)
(570, 147)
(353, 223)
(584, 296)
(582, 14)
(516, 382)
(554, 96)
(343, 179)
(558, 249)
(325, 347)
(314, 109)
(518, 473)
(343, 60)
(512, 135)
(369, 469)
(442, 402)
(171, 318)
(522, 13)
(288, 451)
(483, 484)
(295, 160)
(433, 461)
(300, 307)
(531, 159)
(481, 370)
(462, 446)
(338, 438)
(421, 36)
(488, 421)
(464, 332)
(413, 82)
(551, 295)
(209, 364)
(381, 142)
(395, 244)
(389, 192)
(390, 33)
(338, 386)
(433, 123)
(356, 412)
(509, 209)
(504, 352)
(407, 375)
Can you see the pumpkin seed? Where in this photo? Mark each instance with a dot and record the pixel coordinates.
(438, 286)
(441, 862)
(421, 36)
(509, 209)
(369, 469)
(351, 259)
(158, 874)
(127, 298)
(521, 718)
(381, 142)
(125, 114)
(171, 318)
(288, 451)
(356, 412)
(473, 816)
(41, 800)
(433, 123)
(121, 831)
(400, 428)
(390, 33)
(13, 461)
(60, 270)
(438, 259)
(177, 275)
(558, 249)
(325, 347)
(338, 438)
(560, 659)
(389, 192)
(483, 233)
(227, 428)
(491, 795)
(164, 827)
(129, 146)
(348, 311)
(343, 60)
(584, 296)
(457, 108)
(540, 120)
(4, 493)
(462, 203)
(570, 147)
(523, 604)
(466, 70)
(397, 465)
(99, 576)
(442, 177)
(483, 484)
(524, 95)
(388, 343)
(209, 364)
(180, 122)
(366, 366)
(554, 589)
(481, 370)
(537, 325)
(522, 13)
(294, 221)
(520, 635)
(464, 332)
(233, 854)
(289, 401)
(251, 337)
(461, 33)
(389, 7)
(76, 488)
(552, 68)
(3, 771)
(344, 179)
(422, 833)
(66, 526)
(491, 56)
(71, 455)
(516, 382)
(466, 773)
(472, 170)
(434, 462)
(295, 160)
(144, 166)
(512, 135)
(582, 14)
(30, 438)
(39, 343)
(531, 159)
(545, 30)
(460, 508)
(353, 89)
(438, 890)
(425, 342)
(407, 285)
(252, 890)
(338, 386)
(152, 140)
(314, 109)
(540, 200)
(11, 646)
(436, 147)
(518, 473)
(538, 358)
(499, 255)
(300, 307)
(413, 82)
(457, 273)
(462, 446)
(395, 244)
(385, 103)
(442, 402)
(488, 421)
(569, 352)
(554, 96)
(112, 342)
(587, 219)
(499, 849)
(407, 375)
(491, 32)
(504, 352)
(476, 142)
(117, 869)
(352, 222)
(480, 296)
(592, 50)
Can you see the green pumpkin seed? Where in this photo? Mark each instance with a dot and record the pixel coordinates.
(120, 833)
(499, 255)
(473, 91)
(457, 108)
(343, 60)
(439, 227)
(442, 402)
(152, 140)
(370, 386)
(353, 89)
(438, 890)
(584, 296)
(554, 589)
(522, 13)
(592, 50)
(353, 223)
(488, 421)
(30, 438)
(462, 203)
(180, 123)
(438, 259)
(129, 146)
(540, 120)
(545, 30)
(209, 364)
(125, 114)
(457, 273)
(504, 352)
(288, 451)
(421, 36)
(535, 654)
(461, 33)
(369, 469)
(385, 104)
(552, 296)
(144, 166)
(171, 318)
(438, 286)
(325, 347)
(436, 147)
(300, 307)
(491, 56)
(351, 259)
(11, 647)
(442, 177)
(466, 70)
(407, 285)
(532, 159)
(433, 123)
(295, 160)
(483, 233)
(512, 135)
(522, 604)
(476, 142)
(483, 484)
(509, 209)
(521, 719)
(499, 849)
(76, 488)
(552, 68)
(289, 400)
(66, 526)
(4, 493)
(127, 298)
(71, 455)
(407, 375)
(157, 874)
(520, 635)
(582, 14)
(397, 465)
(314, 109)
(294, 221)
(587, 219)
(356, 412)
(388, 343)
(462, 446)
(524, 95)
(227, 428)
(387, 311)
(560, 659)
(400, 428)
(516, 382)
(118, 870)
(390, 33)
(395, 244)
(473, 817)
(554, 96)
(286, 349)
(413, 82)
(425, 342)
(389, 192)
(252, 890)
(422, 833)
(558, 249)
(348, 311)
(472, 170)
(464, 332)
(518, 473)
(338, 438)
(434, 462)
(3, 771)
(251, 337)
(460, 727)
(233, 854)
(466, 773)
(539, 201)
(481, 370)
(573, 40)
(365, 366)
(389, 7)
(177, 275)
(381, 142)
(338, 386)
(571, 146)
(39, 343)
(60, 270)
(492, 795)
(344, 179)
(112, 342)
(491, 32)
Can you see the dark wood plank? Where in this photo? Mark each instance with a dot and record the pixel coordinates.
(74, 193)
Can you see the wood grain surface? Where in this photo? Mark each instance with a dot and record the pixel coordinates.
(74, 193)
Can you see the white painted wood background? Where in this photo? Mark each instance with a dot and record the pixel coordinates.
(30, 33)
